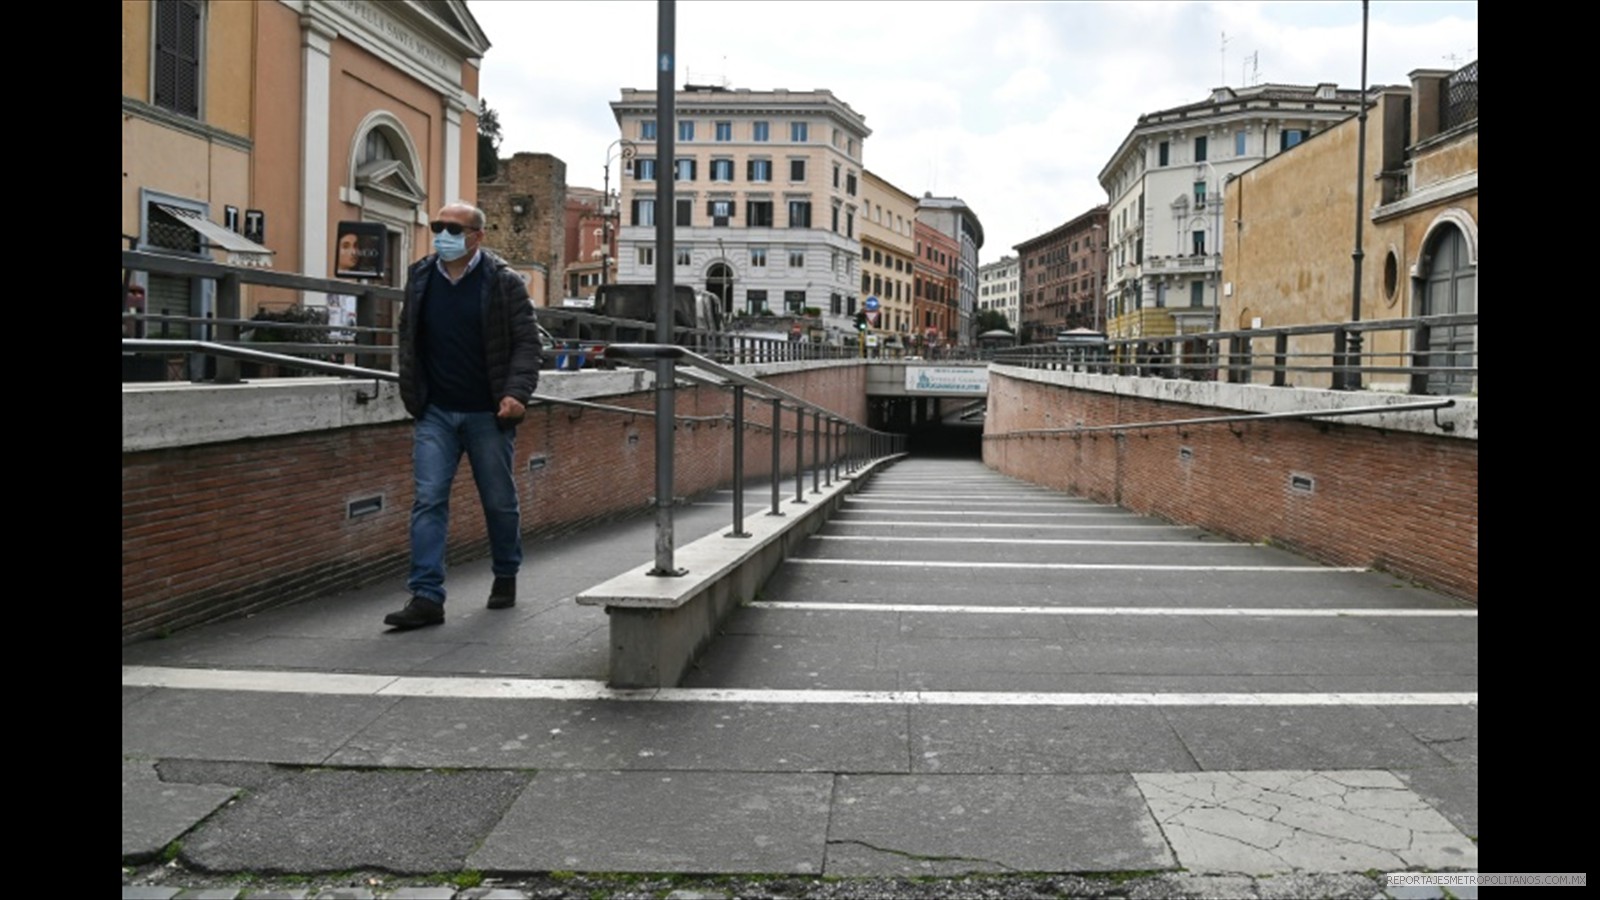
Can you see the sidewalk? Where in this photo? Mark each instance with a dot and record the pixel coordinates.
(902, 702)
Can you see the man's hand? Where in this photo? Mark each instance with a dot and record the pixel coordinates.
(511, 410)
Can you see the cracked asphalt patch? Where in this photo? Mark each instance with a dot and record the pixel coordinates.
(939, 825)
(1257, 823)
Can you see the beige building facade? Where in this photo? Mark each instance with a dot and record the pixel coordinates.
(274, 121)
(1165, 181)
(768, 191)
(999, 289)
(1293, 218)
(888, 254)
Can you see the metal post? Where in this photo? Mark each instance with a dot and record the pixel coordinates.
(827, 466)
(227, 308)
(777, 452)
(738, 463)
(800, 455)
(1352, 376)
(816, 452)
(665, 399)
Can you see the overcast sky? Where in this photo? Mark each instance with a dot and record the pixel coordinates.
(1014, 107)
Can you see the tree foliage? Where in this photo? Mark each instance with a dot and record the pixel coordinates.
(488, 140)
(989, 320)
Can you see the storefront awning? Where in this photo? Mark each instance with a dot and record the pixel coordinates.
(241, 250)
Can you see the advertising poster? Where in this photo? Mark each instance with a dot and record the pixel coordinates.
(358, 253)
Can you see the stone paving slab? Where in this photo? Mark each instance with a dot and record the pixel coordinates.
(1313, 589)
(839, 624)
(245, 725)
(1263, 822)
(663, 822)
(334, 820)
(1280, 738)
(422, 732)
(940, 825)
(1038, 739)
(154, 813)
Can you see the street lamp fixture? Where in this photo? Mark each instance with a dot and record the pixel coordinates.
(619, 148)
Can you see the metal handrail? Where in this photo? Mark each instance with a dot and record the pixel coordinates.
(845, 437)
(1219, 420)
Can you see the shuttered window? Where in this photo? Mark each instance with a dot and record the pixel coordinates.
(177, 56)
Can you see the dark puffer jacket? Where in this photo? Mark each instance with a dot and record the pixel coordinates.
(510, 335)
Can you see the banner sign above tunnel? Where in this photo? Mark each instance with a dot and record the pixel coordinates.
(947, 380)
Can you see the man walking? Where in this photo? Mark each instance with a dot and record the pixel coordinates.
(469, 363)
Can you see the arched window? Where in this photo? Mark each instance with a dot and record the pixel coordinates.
(384, 181)
(719, 281)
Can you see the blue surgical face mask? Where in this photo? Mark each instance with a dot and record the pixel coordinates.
(450, 247)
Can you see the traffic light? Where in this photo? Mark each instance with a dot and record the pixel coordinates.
(861, 320)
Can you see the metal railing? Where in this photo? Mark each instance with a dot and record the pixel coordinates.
(371, 342)
(1423, 355)
(848, 442)
(1458, 102)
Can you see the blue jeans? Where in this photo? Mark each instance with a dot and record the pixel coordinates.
(441, 438)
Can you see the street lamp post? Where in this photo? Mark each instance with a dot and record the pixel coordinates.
(624, 148)
(1215, 202)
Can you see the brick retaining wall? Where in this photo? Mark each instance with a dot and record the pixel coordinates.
(218, 529)
(1402, 501)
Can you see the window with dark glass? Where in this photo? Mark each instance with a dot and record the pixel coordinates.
(644, 170)
(1163, 151)
(758, 170)
(647, 129)
(684, 217)
(724, 131)
(797, 170)
(799, 213)
(758, 213)
(1200, 149)
(720, 212)
(722, 170)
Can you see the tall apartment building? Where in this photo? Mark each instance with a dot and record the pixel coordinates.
(1165, 183)
(999, 289)
(889, 253)
(936, 287)
(767, 187)
(1064, 277)
(952, 217)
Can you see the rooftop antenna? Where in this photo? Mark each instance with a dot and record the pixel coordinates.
(1224, 60)
(1250, 74)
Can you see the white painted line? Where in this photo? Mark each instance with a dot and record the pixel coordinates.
(579, 690)
(1357, 612)
(942, 564)
(1110, 513)
(965, 525)
(943, 540)
(992, 501)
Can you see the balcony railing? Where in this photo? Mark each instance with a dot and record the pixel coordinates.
(1459, 100)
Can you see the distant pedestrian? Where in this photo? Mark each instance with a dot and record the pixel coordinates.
(469, 364)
